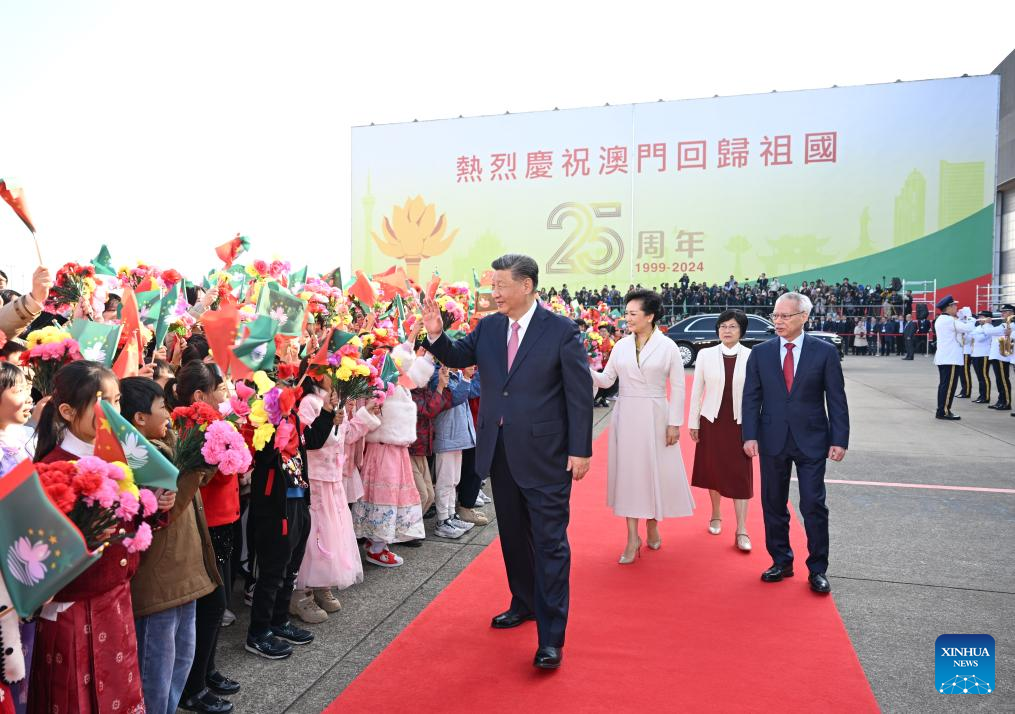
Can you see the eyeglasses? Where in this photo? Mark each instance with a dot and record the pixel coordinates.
(777, 316)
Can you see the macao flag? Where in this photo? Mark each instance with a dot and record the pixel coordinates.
(116, 439)
(41, 550)
(97, 340)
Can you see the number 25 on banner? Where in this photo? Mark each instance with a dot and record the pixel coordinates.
(588, 248)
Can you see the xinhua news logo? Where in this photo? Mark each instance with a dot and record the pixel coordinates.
(964, 664)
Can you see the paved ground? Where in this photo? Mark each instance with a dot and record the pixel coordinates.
(908, 564)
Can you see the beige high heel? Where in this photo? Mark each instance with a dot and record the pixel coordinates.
(745, 544)
(715, 530)
(626, 561)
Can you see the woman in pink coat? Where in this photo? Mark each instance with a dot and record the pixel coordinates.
(646, 477)
(332, 558)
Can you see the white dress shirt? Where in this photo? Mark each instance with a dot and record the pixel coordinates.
(523, 324)
(798, 344)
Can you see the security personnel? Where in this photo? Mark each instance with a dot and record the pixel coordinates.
(948, 357)
(965, 376)
(909, 335)
(981, 352)
(1000, 363)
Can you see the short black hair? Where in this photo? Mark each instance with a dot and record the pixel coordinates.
(137, 394)
(739, 315)
(10, 376)
(651, 302)
(521, 267)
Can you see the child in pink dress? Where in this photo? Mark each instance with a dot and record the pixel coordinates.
(390, 510)
(332, 557)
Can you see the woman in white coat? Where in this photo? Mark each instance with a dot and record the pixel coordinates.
(720, 464)
(646, 477)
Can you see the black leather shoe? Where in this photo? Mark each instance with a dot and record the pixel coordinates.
(962, 396)
(777, 573)
(948, 417)
(509, 619)
(268, 646)
(221, 685)
(548, 657)
(819, 583)
(979, 400)
(1000, 407)
(290, 633)
(207, 703)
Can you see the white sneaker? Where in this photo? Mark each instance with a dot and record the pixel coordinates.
(445, 529)
(461, 525)
(228, 618)
(482, 499)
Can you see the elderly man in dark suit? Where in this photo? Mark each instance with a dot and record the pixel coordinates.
(534, 436)
(790, 381)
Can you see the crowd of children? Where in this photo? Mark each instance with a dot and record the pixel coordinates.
(139, 631)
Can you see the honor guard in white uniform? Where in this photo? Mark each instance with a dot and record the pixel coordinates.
(948, 357)
(965, 374)
(1000, 362)
(980, 356)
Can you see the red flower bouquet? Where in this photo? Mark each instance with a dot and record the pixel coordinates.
(74, 284)
(206, 440)
(102, 500)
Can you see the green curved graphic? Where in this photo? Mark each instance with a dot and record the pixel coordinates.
(933, 256)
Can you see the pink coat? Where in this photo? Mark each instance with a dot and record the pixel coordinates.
(331, 462)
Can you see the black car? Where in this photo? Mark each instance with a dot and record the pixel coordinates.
(698, 332)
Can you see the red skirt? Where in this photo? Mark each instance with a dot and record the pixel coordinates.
(720, 463)
(86, 661)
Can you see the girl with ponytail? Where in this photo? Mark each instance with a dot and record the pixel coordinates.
(85, 657)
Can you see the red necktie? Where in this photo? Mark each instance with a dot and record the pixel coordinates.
(787, 366)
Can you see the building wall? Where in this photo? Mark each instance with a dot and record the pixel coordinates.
(1006, 176)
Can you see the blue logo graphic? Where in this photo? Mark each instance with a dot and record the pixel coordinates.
(964, 664)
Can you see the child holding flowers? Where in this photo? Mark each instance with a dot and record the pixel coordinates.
(332, 557)
(179, 568)
(280, 513)
(193, 395)
(15, 410)
(85, 657)
(390, 510)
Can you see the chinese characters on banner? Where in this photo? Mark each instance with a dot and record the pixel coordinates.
(726, 153)
(683, 256)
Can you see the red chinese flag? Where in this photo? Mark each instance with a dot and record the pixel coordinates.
(147, 285)
(431, 288)
(107, 446)
(127, 363)
(393, 282)
(230, 250)
(363, 291)
(321, 356)
(220, 328)
(15, 197)
(486, 279)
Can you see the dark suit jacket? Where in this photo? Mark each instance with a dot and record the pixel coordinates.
(769, 412)
(910, 329)
(545, 402)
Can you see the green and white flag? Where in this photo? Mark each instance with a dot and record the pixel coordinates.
(97, 341)
(150, 467)
(257, 349)
(41, 550)
(103, 262)
(287, 310)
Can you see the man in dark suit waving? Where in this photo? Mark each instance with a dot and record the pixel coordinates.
(534, 436)
(790, 380)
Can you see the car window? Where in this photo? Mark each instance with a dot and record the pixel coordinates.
(756, 324)
(704, 324)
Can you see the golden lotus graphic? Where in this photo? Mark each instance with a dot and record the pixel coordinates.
(414, 233)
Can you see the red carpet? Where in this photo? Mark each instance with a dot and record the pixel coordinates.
(687, 628)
